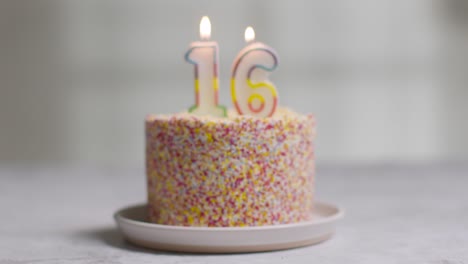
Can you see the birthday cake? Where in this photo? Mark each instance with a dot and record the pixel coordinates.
(251, 166)
(234, 171)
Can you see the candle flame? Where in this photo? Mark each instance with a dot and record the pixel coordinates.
(249, 34)
(205, 28)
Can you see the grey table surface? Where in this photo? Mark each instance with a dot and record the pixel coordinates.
(394, 214)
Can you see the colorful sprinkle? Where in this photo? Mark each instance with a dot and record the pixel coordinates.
(235, 171)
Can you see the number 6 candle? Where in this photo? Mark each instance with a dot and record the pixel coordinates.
(252, 93)
(204, 55)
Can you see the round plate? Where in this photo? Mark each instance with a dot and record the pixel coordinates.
(136, 229)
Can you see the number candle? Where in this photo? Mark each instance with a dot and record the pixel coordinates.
(252, 93)
(204, 56)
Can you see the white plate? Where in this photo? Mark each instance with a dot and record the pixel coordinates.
(136, 229)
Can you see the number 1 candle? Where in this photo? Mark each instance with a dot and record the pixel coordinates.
(252, 93)
(204, 56)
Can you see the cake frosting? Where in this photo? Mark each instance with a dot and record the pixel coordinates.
(233, 171)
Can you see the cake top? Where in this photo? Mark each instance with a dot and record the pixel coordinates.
(282, 115)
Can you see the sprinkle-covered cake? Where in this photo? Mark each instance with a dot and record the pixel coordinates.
(237, 170)
(252, 166)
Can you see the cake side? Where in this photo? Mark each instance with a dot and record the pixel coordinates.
(235, 171)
